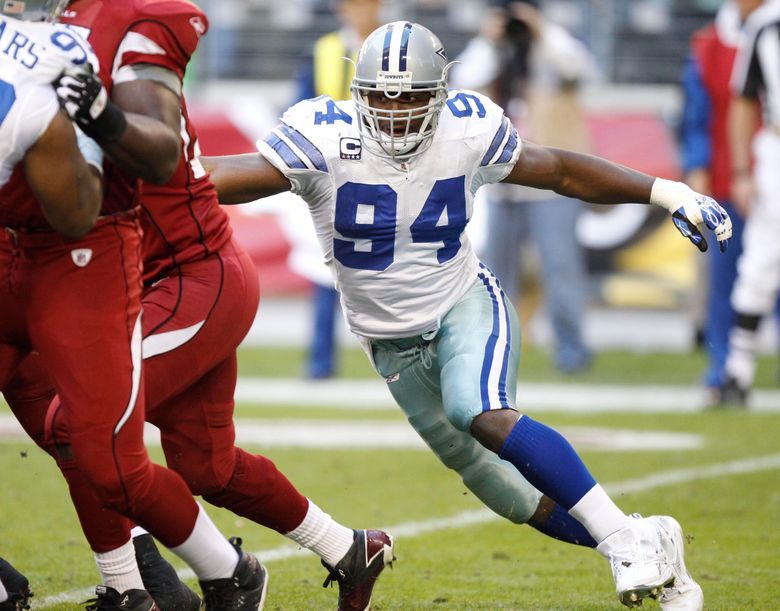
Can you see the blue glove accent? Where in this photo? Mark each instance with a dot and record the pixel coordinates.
(715, 218)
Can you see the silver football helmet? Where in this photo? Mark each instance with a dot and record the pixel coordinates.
(34, 10)
(400, 58)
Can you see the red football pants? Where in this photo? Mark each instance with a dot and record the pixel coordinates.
(194, 319)
(77, 305)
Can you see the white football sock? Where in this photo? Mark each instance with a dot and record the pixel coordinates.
(599, 514)
(741, 359)
(323, 535)
(208, 553)
(3, 593)
(137, 531)
(118, 568)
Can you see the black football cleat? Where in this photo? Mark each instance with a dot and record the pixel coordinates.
(160, 578)
(244, 591)
(108, 599)
(730, 395)
(357, 572)
(17, 587)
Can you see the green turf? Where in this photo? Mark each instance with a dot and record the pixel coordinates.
(731, 520)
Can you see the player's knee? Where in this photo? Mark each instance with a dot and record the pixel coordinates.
(205, 474)
(501, 487)
(491, 428)
(455, 449)
(114, 488)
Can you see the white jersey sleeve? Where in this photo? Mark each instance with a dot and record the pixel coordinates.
(299, 144)
(501, 148)
(26, 110)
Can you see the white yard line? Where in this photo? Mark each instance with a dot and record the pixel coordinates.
(469, 518)
(373, 394)
(338, 434)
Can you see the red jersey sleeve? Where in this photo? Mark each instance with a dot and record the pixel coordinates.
(164, 34)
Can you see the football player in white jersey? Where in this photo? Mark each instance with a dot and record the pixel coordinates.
(34, 133)
(390, 178)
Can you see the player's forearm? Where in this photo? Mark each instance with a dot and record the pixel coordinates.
(588, 178)
(239, 179)
(146, 149)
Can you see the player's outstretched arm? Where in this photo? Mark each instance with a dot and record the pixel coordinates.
(67, 188)
(599, 181)
(584, 177)
(138, 126)
(244, 178)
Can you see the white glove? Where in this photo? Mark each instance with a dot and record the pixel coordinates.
(690, 211)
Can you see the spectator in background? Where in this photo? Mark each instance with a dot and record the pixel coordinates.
(534, 68)
(329, 73)
(707, 164)
(755, 193)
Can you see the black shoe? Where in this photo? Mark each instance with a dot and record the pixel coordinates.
(730, 394)
(244, 591)
(17, 587)
(358, 570)
(160, 578)
(108, 599)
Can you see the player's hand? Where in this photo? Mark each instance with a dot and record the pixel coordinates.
(691, 212)
(703, 211)
(83, 96)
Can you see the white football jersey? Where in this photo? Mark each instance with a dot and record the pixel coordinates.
(393, 233)
(32, 56)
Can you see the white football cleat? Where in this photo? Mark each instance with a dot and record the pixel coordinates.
(684, 594)
(638, 561)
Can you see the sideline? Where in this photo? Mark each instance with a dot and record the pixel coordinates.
(468, 518)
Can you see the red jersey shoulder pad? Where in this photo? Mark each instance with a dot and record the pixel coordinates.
(187, 20)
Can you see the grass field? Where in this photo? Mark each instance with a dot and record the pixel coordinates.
(453, 554)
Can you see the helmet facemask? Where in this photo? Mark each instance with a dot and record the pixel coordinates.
(407, 130)
(34, 10)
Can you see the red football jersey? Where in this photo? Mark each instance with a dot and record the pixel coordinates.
(182, 220)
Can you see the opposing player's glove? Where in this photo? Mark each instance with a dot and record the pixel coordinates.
(691, 211)
(82, 95)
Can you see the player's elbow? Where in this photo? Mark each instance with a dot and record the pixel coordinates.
(164, 167)
(82, 216)
(74, 226)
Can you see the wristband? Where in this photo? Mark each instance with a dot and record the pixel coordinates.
(109, 126)
(90, 150)
(670, 194)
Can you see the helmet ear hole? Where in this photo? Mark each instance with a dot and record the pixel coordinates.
(398, 58)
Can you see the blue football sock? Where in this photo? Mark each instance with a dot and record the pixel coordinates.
(560, 525)
(548, 461)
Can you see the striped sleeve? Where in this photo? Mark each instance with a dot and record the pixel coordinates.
(503, 146)
(758, 56)
(295, 150)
